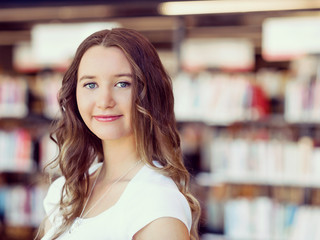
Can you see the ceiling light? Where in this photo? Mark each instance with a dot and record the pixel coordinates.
(234, 6)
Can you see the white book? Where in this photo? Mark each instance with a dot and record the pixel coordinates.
(305, 150)
(315, 165)
(291, 159)
(277, 221)
(184, 95)
(237, 219)
(262, 218)
(37, 195)
(16, 201)
(300, 226)
(262, 154)
(237, 165)
(294, 101)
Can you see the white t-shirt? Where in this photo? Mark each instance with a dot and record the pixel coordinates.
(147, 197)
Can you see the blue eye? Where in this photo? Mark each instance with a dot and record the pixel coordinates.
(123, 84)
(90, 85)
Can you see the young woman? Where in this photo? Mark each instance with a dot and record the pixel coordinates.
(119, 149)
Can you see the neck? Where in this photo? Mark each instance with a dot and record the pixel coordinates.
(119, 155)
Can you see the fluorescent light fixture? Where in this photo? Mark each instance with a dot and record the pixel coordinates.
(234, 6)
(288, 38)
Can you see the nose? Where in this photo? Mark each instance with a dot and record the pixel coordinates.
(105, 98)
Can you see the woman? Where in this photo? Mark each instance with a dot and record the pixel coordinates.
(117, 109)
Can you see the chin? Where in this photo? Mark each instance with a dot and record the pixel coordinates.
(114, 136)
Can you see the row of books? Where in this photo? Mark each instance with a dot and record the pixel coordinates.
(302, 100)
(16, 151)
(13, 96)
(224, 98)
(264, 160)
(262, 218)
(219, 98)
(22, 206)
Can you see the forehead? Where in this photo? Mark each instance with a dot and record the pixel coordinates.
(104, 58)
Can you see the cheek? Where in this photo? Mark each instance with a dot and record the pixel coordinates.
(129, 109)
(123, 101)
(78, 99)
(128, 106)
(82, 103)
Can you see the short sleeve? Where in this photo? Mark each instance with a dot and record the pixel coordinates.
(158, 203)
(52, 199)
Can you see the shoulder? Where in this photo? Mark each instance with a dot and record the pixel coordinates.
(174, 230)
(52, 199)
(54, 191)
(157, 196)
(152, 177)
(157, 187)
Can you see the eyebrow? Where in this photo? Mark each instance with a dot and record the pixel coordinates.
(117, 76)
(86, 77)
(124, 75)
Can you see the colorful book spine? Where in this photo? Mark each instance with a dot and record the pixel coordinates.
(16, 151)
(13, 97)
(22, 206)
(267, 160)
(264, 218)
(219, 98)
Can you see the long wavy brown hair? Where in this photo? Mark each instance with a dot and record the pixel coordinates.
(153, 121)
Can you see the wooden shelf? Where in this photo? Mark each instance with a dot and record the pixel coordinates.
(17, 233)
(208, 179)
(209, 236)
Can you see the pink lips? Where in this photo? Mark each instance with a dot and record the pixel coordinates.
(107, 118)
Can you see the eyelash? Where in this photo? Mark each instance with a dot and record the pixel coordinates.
(88, 84)
(128, 84)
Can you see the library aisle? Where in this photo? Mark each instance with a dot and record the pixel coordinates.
(246, 81)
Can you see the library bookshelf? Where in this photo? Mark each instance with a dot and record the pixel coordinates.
(24, 126)
(259, 152)
(250, 132)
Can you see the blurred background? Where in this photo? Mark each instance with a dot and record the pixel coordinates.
(246, 79)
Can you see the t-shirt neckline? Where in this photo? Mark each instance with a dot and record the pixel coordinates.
(126, 190)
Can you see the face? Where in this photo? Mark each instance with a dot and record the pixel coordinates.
(104, 92)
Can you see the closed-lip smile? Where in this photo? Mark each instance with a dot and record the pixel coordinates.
(107, 118)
